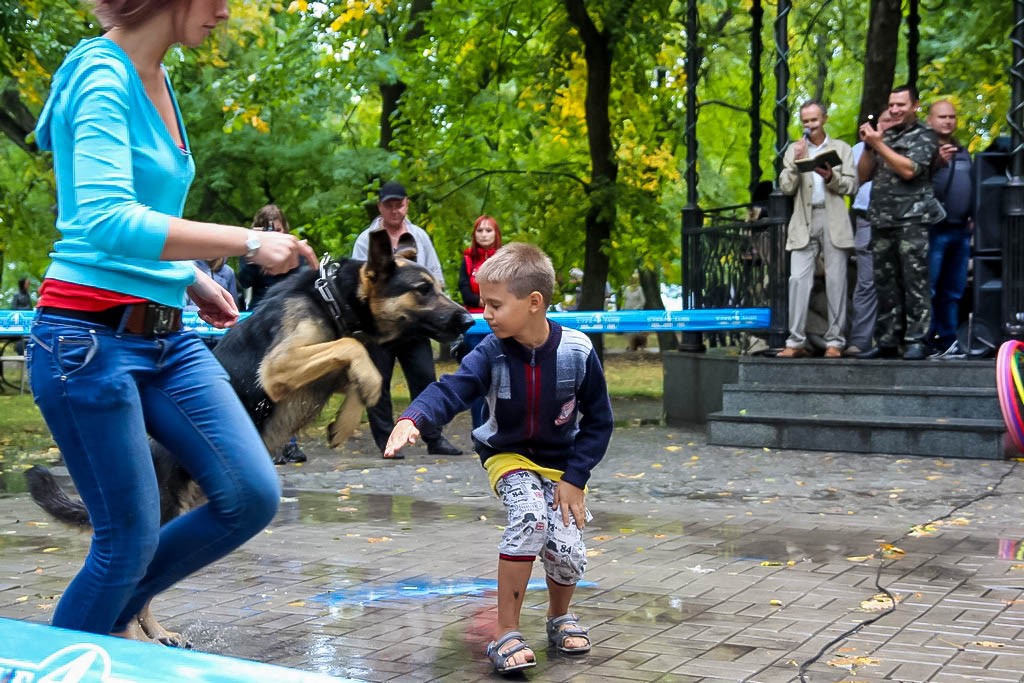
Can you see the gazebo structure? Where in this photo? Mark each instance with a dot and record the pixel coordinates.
(734, 256)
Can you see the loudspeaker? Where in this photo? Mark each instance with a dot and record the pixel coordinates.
(988, 292)
(989, 181)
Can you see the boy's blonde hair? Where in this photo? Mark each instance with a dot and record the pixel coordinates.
(522, 268)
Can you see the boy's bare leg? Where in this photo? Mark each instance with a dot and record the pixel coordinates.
(559, 597)
(512, 580)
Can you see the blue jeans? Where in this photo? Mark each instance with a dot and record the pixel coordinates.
(949, 250)
(100, 392)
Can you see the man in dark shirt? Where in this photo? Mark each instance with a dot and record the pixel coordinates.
(903, 205)
(949, 240)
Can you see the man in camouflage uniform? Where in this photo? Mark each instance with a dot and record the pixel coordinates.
(903, 205)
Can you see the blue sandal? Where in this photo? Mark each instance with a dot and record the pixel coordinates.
(500, 659)
(567, 626)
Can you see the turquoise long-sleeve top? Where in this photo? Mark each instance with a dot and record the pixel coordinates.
(120, 177)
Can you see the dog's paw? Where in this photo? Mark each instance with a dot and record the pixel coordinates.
(365, 380)
(346, 421)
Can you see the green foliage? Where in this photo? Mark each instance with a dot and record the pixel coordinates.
(283, 104)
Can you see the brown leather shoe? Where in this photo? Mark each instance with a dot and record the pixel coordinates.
(833, 352)
(794, 352)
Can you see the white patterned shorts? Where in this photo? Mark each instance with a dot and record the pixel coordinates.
(535, 529)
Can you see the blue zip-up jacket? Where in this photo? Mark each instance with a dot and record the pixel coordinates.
(549, 404)
(120, 177)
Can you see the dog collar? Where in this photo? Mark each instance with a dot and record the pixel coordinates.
(345, 321)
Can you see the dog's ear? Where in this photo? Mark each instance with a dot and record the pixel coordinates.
(380, 256)
(406, 247)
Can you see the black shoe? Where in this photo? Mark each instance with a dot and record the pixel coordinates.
(915, 351)
(441, 446)
(290, 453)
(878, 352)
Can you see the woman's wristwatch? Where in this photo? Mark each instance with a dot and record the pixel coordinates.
(252, 245)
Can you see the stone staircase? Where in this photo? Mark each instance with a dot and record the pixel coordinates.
(930, 408)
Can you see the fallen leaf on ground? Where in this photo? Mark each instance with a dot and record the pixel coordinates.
(890, 549)
(879, 602)
(297, 603)
(861, 558)
(775, 603)
(378, 539)
(852, 662)
(673, 448)
(987, 643)
(50, 550)
(421, 469)
(622, 475)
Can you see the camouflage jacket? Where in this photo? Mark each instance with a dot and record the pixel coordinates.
(894, 201)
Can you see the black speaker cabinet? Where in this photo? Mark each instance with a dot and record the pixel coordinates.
(989, 181)
(988, 291)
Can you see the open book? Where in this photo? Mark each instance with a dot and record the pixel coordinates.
(830, 158)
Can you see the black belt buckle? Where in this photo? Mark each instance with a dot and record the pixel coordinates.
(160, 319)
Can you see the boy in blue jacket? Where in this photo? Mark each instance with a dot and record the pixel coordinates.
(548, 424)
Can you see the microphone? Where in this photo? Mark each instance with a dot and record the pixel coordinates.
(807, 134)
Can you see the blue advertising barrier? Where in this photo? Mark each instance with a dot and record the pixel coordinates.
(33, 653)
(16, 323)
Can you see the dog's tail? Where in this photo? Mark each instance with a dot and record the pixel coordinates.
(47, 494)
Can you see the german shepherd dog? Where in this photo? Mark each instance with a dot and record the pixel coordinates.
(302, 344)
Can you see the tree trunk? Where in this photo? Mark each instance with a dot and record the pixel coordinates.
(391, 93)
(880, 55)
(598, 51)
(650, 282)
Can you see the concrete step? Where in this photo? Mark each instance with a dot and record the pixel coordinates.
(844, 372)
(927, 436)
(918, 401)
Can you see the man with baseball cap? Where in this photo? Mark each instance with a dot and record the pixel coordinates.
(415, 355)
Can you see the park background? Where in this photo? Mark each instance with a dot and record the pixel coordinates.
(565, 120)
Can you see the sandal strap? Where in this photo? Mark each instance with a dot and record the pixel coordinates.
(566, 626)
(511, 635)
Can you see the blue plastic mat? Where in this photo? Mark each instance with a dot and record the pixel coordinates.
(31, 653)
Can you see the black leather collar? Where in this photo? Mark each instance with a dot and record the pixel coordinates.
(346, 322)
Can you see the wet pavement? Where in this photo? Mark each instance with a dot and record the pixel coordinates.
(705, 564)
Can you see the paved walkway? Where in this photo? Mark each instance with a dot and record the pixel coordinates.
(705, 564)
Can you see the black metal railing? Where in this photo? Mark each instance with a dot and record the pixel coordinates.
(737, 259)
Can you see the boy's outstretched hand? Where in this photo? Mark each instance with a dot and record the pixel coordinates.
(403, 434)
(569, 499)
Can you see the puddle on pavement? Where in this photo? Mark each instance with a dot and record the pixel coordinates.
(667, 609)
(313, 507)
(420, 588)
(798, 545)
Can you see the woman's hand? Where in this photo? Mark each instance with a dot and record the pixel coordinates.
(280, 252)
(216, 305)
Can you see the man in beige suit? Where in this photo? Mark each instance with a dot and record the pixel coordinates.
(820, 226)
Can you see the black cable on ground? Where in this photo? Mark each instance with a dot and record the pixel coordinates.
(878, 577)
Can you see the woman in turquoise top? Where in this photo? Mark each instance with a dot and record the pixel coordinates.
(108, 360)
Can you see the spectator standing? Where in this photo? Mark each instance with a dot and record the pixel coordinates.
(820, 225)
(633, 300)
(108, 360)
(486, 240)
(864, 300)
(221, 273)
(549, 425)
(415, 354)
(270, 218)
(22, 299)
(949, 240)
(898, 162)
